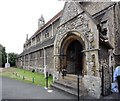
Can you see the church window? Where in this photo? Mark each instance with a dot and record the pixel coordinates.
(38, 38)
(104, 28)
(32, 56)
(46, 34)
(40, 53)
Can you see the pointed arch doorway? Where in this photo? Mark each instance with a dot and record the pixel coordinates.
(71, 56)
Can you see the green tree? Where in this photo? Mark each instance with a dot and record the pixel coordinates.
(12, 58)
(2, 56)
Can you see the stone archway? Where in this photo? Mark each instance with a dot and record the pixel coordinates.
(71, 56)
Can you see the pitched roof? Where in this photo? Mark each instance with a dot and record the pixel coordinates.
(57, 16)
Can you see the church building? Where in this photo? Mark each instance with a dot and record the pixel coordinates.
(83, 38)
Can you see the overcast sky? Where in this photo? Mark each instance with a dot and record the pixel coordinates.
(20, 17)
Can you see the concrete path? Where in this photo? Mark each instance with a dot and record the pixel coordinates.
(13, 89)
(1, 69)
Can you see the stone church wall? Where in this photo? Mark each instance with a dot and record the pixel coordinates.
(117, 33)
(104, 70)
(36, 60)
(39, 58)
(49, 59)
(95, 7)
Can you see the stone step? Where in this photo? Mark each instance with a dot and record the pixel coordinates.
(71, 79)
(71, 75)
(67, 90)
(69, 85)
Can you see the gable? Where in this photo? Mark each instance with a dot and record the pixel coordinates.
(70, 10)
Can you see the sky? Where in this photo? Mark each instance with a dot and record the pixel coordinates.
(20, 17)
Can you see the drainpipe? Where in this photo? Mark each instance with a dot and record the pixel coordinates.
(21, 64)
(24, 61)
(29, 60)
(54, 69)
(44, 63)
(35, 61)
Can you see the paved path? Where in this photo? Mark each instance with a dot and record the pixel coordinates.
(13, 89)
(1, 69)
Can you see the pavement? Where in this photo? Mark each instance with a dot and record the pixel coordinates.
(1, 69)
(14, 89)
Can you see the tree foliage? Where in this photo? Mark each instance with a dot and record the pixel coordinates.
(12, 58)
(2, 56)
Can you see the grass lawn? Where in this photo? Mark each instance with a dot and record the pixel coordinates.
(26, 76)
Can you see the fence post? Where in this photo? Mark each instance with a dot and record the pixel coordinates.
(23, 78)
(46, 79)
(33, 80)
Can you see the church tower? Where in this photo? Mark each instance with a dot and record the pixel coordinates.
(41, 22)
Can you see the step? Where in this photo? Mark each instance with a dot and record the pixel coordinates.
(67, 84)
(71, 79)
(67, 90)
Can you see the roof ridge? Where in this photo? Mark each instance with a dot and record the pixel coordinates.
(53, 19)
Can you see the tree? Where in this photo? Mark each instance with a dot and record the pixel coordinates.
(0, 55)
(12, 58)
(3, 56)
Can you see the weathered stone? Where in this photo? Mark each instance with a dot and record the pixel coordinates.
(93, 85)
(71, 10)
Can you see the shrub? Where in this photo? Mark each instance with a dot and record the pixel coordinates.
(33, 70)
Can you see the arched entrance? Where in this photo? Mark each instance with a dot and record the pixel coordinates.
(71, 56)
(74, 57)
